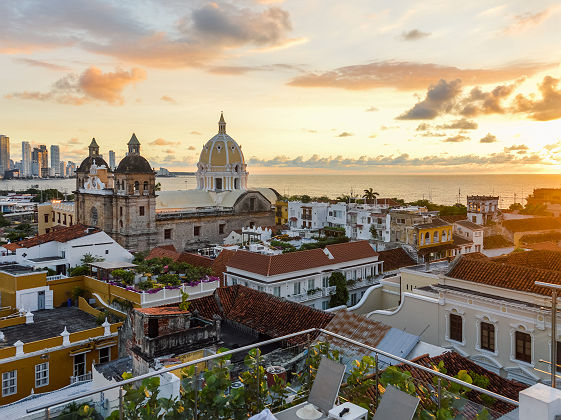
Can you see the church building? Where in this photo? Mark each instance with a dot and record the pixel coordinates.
(126, 205)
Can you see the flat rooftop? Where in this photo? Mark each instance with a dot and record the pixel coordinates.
(49, 323)
(16, 269)
(437, 267)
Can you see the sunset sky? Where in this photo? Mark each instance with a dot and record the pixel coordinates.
(306, 86)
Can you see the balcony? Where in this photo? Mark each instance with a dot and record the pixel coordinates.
(242, 389)
(81, 378)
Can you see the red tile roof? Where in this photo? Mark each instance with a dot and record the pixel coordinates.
(508, 276)
(469, 225)
(453, 363)
(270, 265)
(496, 241)
(545, 259)
(260, 311)
(165, 251)
(395, 258)
(162, 310)
(168, 251)
(532, 224)
(195, 259)
(220, 262)
(544, 246)
(64, 234)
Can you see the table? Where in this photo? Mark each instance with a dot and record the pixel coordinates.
(355, 412)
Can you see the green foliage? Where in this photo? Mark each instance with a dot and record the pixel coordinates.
(370, 195)
(341, 295)
(360, 380)
(74, 411)
(541, 237)
(139, 257)
(125, 276)
(80, 270)
(535, 209)
(255, 381)
(89, 258)
(285, 246)
(184, 305)
(145, 285)
(515, 206)
(78, 292)
(125, 305)
(100, 319)
(373, 232)
(454, 210)
(4, 222)
(169, 279)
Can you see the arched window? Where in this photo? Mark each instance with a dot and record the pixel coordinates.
(136, 185)
(121, 224)
(236, 183)
(435, 237)
(145, 186)
(444, 236)
(427, 238)
(93, 216)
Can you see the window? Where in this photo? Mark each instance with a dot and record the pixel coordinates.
(456, 327)
(252, 204)
(197, 231)
(218, 183)
(9, 383)
(523, 346)
(42, 374)
(353, 299)
(311, 284)
(120, 211)
(325, 305)
(325, 281)
(167, 233)
(297, 288)
(106, 252)
(221, 227)
(136, 186)
(276, 291)
(261, 288)
(145, 186)
(487, 331)
(80, 364)
(47, 218)
(104, 355)
(141, 210)
(152, 327)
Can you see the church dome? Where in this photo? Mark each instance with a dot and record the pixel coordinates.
(134, 163)
(221, 150)
(92, 158)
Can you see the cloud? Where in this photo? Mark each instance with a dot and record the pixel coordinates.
(239, 70)
(449, 98)
(529, 20)
(456, 139)
(163, 142)
(191, 148)
(345, 134)
(169, 99)
(408, 75)
(74, 140)
(43, 64)
(307, 130)
(91, 85)
(372, 109)
(372, 136)
(553, 146)
(199, 33)
(195, 133)
(461, 124)
(413, 35)
(404, 160)
(546, 108)
(439, 98)
(431, 134)
(516, 148)
(489, 138)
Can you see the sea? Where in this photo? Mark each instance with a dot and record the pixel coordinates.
(441, 189)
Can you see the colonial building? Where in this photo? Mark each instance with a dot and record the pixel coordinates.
(124, 203)
(482, 209)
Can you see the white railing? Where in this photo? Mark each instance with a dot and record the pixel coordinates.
(57, 277)
(81, 378)
(174, 295)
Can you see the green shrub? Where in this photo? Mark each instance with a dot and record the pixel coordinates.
(80, 270)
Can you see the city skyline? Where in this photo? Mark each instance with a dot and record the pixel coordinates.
(359, 88)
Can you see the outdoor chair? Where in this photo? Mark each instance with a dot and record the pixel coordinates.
(396, 405)
(324, 392)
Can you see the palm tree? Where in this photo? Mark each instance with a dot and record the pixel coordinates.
(370, 195)
(343, 198)
(158, 187)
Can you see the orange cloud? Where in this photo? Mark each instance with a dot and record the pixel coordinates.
(163, 142)
(406, 75)
(528, 20)
(91, 85)
(169, 99)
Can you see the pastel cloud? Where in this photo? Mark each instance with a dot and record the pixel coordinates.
(456, 139)
(163, 142)
(414, 35)
(489, 138)
(92, 85)
(345, 134)
(407, 75)
(168, 99)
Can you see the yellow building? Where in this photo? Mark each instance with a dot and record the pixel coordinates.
(281, 212)
(434, 239)
(55, 213)
(44, 347)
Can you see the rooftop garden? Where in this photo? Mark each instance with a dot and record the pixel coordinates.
(237, 390)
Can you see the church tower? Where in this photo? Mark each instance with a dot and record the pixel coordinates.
(134, 224)
(221, 165)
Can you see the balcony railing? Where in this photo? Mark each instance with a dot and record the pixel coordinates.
(436, 388)
(81, 378)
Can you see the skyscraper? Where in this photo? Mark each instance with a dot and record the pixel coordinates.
(25, 158)
(111, 160)
(55, 160)
(4, 154)
(40, 160)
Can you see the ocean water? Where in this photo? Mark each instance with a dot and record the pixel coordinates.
(442, 189)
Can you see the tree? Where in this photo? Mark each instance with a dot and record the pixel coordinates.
(373, 232)
(515, 206)
(89, 258)
(370, 195)
(341, 295)
(158, 187)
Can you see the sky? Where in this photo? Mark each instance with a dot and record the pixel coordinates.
(306, 86)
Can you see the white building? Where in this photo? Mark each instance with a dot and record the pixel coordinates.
(64, 248)
(26, 158)
(307, 215)
(471, 232)
(55, 160)
(303, 276)
(481, 209)
(248, 235)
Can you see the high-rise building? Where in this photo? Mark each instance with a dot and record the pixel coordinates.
(112, 160)
(55, 159)
(40, 159)
(70, 168)
(25, 159)
(62, 169)
(4, 154)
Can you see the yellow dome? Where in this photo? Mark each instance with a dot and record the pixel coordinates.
(221, 151)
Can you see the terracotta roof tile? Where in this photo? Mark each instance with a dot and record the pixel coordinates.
(545, 259)
(532, 224)
(220, 262)
(469, 225)
(262, 312)
(162, 310)
(166, 251)
(270, 265)
(195, 259)
(545, 246)
(63, 234)
(459, 240)
(508, 276)
(395, 258)
(496, 241)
